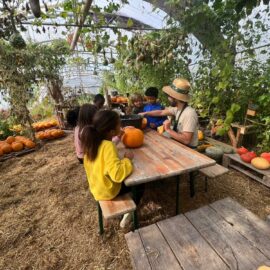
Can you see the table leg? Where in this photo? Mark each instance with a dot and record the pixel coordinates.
(177, 194)
(192, 184)
(134, 214)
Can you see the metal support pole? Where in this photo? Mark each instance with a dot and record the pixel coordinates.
(177, 195)
(100, 219)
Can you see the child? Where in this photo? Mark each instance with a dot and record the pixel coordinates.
(105, 171)
(86, 114)
(151, 95)
(136, 103)
(72, 117)
(99, 101)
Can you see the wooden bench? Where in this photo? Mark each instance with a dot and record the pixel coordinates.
(221, 236)
(234, 161)
(209, 172)
(113, 208)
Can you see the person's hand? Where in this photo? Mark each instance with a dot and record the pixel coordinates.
(167, 125)
(152, 125)
(129, 155)
(142, 113)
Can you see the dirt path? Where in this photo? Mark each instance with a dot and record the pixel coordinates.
(48, 219)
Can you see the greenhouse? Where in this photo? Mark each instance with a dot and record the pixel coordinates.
(135, 134)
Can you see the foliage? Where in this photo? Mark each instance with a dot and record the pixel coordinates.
(42, 110)
(21, 68)
(4, 129)
(152, 59)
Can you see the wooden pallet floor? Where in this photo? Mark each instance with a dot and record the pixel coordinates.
(221, 236)
(235, 162)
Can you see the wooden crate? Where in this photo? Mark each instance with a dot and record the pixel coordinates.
(20, 153)
(234, 161)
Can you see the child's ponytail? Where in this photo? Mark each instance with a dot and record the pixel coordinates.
(90, 140)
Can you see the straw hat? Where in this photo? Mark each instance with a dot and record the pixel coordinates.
(179, 89)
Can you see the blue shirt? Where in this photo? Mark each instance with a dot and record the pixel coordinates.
(158, 121)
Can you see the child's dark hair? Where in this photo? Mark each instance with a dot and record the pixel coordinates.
(72, 116)
(86, 115)
(92, 135)
(151, 92)
(99, 101)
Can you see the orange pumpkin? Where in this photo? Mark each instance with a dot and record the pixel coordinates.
(10, 139)
(144, 123)
(6, 148)
(133, 137)
(17, 146)
(118, 100)
(30, 144)
(40, 135)
(1, 152)
(113, 99)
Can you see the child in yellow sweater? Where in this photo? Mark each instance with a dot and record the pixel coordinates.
(105, 171)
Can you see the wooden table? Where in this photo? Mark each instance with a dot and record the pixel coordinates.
(160, 158)
(222, 235)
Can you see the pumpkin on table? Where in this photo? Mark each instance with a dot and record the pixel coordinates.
(133, 137)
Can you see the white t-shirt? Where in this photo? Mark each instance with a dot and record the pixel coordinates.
(188, 122)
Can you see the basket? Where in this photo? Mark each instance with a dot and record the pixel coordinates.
(134, 120)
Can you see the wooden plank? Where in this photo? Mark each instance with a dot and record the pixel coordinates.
(246, 223)
(118, 206)
(235, 249)
(138, 256)
(214, 171)
(160, 255)
(191, 250)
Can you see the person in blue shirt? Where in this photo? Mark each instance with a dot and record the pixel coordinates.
(151, 94)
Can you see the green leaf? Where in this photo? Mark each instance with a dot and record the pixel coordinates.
(130, 23)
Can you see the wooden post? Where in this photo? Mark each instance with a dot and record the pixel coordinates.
(107, 98)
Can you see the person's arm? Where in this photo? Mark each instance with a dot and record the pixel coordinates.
(157, 113)
(184, 137)
(117, 169)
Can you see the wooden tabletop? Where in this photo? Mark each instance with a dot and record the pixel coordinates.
(222, 235)
(161, 157)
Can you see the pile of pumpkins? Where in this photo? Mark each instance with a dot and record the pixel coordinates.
(261, 163)
(44, 125)
(119, 99)
(15, 144)
(50, 134)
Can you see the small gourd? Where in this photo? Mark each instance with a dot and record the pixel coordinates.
(200, 135)
(144, 123)
(260, 163)
(214, 152)
(133, 138)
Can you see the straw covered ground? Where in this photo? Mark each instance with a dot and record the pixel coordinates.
(48, 219)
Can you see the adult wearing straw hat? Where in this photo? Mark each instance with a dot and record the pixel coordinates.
(184, 128)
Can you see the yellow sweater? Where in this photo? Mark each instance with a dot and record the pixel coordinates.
(106, 172)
